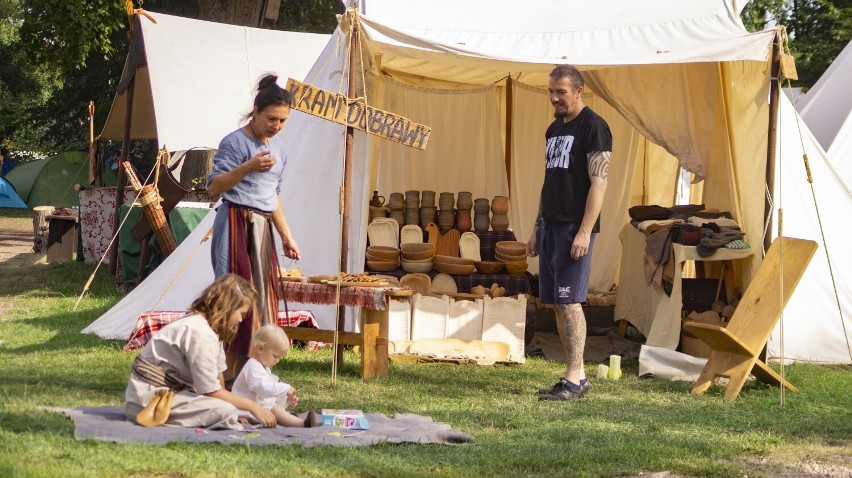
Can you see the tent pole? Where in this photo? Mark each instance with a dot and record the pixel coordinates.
(772, 137)
(347, 183)
(122, 179)
(508, 152)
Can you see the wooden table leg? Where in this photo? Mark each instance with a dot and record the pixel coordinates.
(370, 333)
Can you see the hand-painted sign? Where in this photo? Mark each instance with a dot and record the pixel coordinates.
(356, 113)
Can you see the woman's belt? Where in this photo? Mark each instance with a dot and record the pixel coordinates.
(267, 215)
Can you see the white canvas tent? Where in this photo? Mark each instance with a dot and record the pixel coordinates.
(671, 78)
(827, 110)
(812, 325)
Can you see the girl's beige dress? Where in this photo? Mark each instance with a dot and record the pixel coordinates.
(189, 351)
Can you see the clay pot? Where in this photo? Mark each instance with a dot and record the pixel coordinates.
(481, 222)
(500, 205)
(481, 205)
(463, 222)
(427, 198)
(396, 201)
(446, 218)
(428, 214)
(376, 200)
(378, 212)
(446, 201)
(464, 200)
(499, 222)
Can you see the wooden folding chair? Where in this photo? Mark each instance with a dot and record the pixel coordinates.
(736, 347)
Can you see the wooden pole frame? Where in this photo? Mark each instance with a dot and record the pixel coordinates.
(347, 179)
(772, 137)
(122, 179)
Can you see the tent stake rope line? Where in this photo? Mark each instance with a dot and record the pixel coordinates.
(112, 240)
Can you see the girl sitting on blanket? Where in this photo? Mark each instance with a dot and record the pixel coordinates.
(187, 357)
(256, 381)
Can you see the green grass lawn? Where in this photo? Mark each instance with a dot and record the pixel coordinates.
(621, 428)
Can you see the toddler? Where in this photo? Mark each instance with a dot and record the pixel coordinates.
(257, 382)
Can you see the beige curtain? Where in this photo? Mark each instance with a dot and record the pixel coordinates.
(465, 151)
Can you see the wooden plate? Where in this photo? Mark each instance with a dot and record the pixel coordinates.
(444, 283)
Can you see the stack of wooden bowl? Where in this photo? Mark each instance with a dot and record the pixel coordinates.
(382, 258)
(454, 265)
(514, 256)
(417, 256)
(489, 267)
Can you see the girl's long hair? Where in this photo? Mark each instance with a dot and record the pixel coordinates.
(226, 295)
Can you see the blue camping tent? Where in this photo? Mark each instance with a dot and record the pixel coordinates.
(9, 198)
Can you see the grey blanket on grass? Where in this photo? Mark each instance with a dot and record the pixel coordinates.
(109, 424)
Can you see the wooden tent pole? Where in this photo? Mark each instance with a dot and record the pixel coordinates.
(347, 182)
(772, 139)
(122, 179)
(508, 152)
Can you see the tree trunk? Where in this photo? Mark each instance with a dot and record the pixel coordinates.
(236, 12)
(197, 165)
(40, 227)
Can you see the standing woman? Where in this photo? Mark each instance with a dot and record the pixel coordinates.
(247, 173)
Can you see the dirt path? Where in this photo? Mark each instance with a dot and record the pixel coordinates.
(16, 237)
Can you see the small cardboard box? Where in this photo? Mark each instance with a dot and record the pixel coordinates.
(351, 419)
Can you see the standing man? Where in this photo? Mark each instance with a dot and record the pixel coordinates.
(579, 146)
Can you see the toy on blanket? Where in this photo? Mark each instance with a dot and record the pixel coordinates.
(293, 274)
(351, 419)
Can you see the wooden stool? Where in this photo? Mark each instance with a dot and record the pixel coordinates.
(736, 347)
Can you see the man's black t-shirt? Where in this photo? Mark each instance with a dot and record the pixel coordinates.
(566, 176)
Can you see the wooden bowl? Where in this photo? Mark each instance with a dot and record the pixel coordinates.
(516, 268)
(385, 252)
(416, 266)
(511, 248)
(454, 268)
(419, 255)
(489, 267)
(510, 258)
(382, 266)
(454, 261)
(410, 247)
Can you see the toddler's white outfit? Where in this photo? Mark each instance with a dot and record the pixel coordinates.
(259, 384)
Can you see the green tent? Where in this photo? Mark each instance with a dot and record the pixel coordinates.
(50, 181)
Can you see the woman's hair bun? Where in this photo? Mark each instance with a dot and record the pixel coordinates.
(267, 81)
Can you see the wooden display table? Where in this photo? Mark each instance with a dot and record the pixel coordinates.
(374, 304)
(652, 312)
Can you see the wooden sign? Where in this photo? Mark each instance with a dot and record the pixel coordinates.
(356, 113)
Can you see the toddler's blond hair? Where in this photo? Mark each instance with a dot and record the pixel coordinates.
(271, 335)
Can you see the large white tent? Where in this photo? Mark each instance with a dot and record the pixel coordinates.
(674, 80)
(827, 110)
(817, 322)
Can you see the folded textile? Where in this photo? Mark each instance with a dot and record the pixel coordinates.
(657, 248)
(709, 245)
(653, 225)
(720, 221)
(643, 213)
(686, 208)
(737, 244)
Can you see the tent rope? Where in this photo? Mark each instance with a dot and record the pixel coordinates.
(786, 49)
(175, 277)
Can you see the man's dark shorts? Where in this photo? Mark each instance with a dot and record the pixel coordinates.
(562, 280)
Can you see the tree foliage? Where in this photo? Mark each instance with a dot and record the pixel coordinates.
(818, 30)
